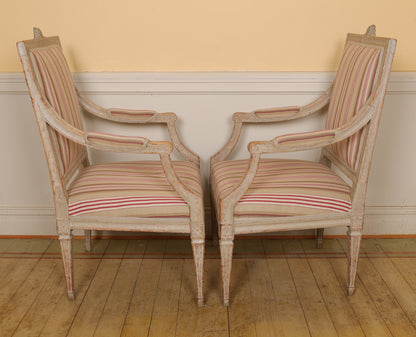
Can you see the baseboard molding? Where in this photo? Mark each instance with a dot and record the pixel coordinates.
(379, 221)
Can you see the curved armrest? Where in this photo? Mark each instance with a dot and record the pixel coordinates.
(271, 115)
(103, 141)
(132, 116)
(140, 116)
(119, 115)
(115, 143)
(314, 139)
(280, 114)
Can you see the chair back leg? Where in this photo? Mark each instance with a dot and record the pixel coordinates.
(87, 234)
(319, 237)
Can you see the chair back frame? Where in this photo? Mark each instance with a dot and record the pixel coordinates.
(359, 176)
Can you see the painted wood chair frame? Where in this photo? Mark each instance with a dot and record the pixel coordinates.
(49, 122)
(367, 119)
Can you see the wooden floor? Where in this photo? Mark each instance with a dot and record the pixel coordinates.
(147, 288)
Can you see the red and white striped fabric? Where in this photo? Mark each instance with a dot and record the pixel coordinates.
(137, 189)
(283, 188)
(353, 85)
(123, 142)
(55, 82)
(276, 113)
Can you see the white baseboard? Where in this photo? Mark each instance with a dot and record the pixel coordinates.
(379, 220)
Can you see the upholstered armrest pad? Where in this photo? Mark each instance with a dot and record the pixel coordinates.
(132, 115)
(277, 113)
(126, 143)
(305, 139)
(268, 115)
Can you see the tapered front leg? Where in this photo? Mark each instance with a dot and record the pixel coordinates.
(354, 242)
(198, 248)
(66, 252)
(226, 250)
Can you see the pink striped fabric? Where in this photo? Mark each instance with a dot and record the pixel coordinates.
(277, 112)
(303, 139)
(123, 142)
(137, 189)
(55, 82)
(283, 188)
(353, 85)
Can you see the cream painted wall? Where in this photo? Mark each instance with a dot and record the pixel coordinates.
(214, 35)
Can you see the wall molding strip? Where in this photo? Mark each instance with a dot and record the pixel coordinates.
(208, 83)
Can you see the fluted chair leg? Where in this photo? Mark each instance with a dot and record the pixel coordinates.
(66, 252)
(226, 251)
(354, 242)
(226, 248)
(198, 248)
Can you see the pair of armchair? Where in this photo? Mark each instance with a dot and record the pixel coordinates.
(249, 196)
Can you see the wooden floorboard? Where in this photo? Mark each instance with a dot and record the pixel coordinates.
(139, 316)
(165, 310)
(21, 301)
(61, 318)
(208, 321)
(316, 312)
(147, 288)
(291, 314)
(92, 307)
(342, 315)
(241, 319)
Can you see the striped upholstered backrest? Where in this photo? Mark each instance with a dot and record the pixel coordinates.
(55, 82)
(353, 85)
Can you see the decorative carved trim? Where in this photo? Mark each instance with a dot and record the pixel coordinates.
(371, 30)
(37, 33)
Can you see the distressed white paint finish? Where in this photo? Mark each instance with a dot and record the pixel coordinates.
(204, 103)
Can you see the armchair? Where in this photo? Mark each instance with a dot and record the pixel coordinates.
(267, 195)
(152, 196)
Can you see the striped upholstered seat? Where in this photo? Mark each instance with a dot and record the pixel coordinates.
(135, 189)
(283, 188)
